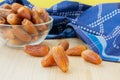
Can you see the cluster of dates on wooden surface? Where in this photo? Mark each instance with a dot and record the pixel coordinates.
(22, 21)
(58, 55)
(17, 14)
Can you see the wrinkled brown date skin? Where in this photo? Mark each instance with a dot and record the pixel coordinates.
(16, 41)
(91, 56)
(29, 27)
(45, 16)
(60, 58)
(36, 20)
(16, 6)
(42, 13)
(48, 60)
(76, 50)
(6, 6)
(35, 17)
(64, 44)
(2, 20)
(39, 10)
(21, 34)
(5, 12)
(37, 50)
(13, 19)
(24, 12)
(7, 32)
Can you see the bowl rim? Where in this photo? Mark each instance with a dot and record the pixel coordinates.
(48, 22)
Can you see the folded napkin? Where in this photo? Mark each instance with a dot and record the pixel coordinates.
(98, 26)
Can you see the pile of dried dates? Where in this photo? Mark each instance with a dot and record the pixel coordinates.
(57, 55)
(22, 22)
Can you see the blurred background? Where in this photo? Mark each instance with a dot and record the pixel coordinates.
(49, 3)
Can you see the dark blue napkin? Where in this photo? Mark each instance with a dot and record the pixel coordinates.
(98, 26)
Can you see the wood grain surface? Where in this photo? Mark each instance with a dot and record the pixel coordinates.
(16, 65)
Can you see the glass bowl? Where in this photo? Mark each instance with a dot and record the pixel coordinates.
(17, 36)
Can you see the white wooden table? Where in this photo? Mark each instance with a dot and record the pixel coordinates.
(16, 65)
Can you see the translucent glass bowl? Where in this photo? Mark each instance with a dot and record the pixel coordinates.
(17, 36)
